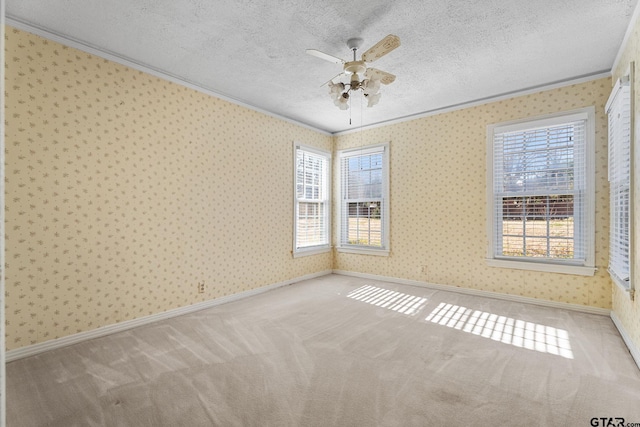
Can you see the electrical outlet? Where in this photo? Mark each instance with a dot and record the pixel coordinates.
(201, 287)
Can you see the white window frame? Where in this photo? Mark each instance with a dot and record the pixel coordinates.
(343, 246)
(577, 267)
(326, 199)
(621, 135)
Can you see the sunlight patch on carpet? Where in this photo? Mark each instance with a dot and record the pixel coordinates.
(391, 300)
(519, 333)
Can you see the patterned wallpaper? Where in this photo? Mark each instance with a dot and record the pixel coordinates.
(629, 311)
(123, 191)
(438, 200)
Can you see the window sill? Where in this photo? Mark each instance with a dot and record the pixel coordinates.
(311, 251)
(578, 270)
(363, 251)
(623, 286)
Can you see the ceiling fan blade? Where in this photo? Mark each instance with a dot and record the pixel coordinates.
(332, 79)
(383, 76)
(325, 56)
(381, 48)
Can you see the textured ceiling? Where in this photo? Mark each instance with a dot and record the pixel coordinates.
(452, 52)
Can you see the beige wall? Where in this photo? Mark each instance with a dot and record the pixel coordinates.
(629, 311)
(438, 199)
(124, 190)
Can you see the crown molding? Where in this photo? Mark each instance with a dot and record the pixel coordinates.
(128, 62)
(481, 101)
(112, 56)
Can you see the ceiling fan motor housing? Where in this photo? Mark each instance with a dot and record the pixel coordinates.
(355, 67)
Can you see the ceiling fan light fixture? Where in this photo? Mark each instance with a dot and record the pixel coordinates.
(335, 90)
(373, 99)
(342, 101)
(371, 86)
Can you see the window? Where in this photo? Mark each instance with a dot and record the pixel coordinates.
(312, 209)
(541, 199)
(619, 110)
(364, 200)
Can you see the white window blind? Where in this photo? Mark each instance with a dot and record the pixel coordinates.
(541, 195)
(364, 198)
(311, 199)
(618, 109)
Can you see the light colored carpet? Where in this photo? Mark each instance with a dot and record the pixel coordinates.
(338, 351)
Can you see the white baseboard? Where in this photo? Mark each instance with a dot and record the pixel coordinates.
(32, 350)
(481, 293)
(633, 349)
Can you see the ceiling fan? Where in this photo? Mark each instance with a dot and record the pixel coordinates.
(370, 85)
